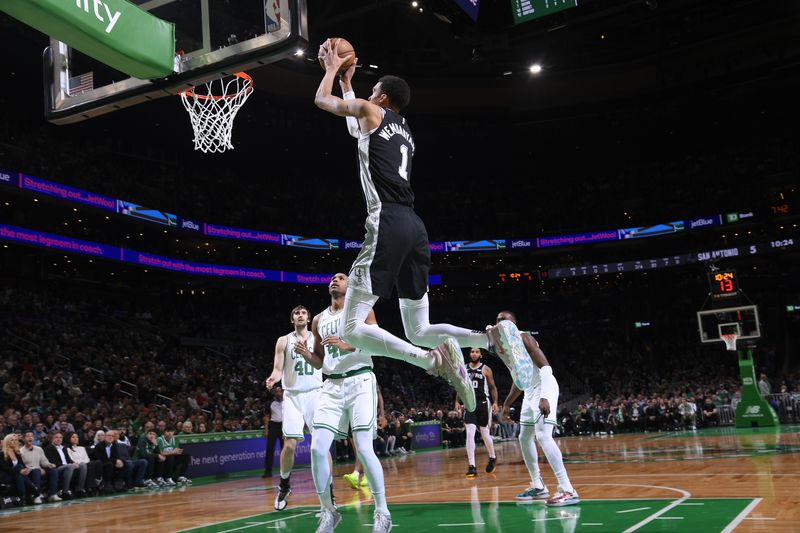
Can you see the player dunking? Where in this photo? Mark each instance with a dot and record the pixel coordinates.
(301, 384)
(396, 252)
(538, 417)
(348, 398)
(482, 380)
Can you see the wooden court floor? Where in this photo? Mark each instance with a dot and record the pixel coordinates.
(711, 480)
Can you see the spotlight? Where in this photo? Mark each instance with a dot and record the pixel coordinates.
(414, 4)
(535, 69)
(299, 52)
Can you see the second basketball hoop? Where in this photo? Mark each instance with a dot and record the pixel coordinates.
(213, 110)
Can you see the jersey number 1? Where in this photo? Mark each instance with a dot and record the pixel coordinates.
(403, 170)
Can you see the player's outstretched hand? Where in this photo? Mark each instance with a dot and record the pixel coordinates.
(347, 75)
(330, 56)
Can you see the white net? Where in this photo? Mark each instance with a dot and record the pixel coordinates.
(213, 112)
(730, 341)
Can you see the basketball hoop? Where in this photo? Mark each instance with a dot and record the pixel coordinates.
(730, 340)
(212, 113)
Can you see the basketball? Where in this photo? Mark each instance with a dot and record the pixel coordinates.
(346, 50)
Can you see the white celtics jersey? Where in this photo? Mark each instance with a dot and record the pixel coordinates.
(298, 374)
(335, 361)
(536, 378)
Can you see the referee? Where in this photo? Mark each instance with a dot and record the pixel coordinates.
(273, 429)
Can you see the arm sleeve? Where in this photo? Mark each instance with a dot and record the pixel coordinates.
(352, 122)
(549, 384)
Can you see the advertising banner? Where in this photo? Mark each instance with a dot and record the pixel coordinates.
(65, 192)
(215, 454)
(8, 177)
(145, 213)
(57, 242)
(427, 435)
(703, 222)
(115, 32)
(576, 238)
(226, 232)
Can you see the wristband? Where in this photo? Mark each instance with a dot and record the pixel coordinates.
(549, 384)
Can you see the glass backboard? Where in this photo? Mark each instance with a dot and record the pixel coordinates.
(213, 38)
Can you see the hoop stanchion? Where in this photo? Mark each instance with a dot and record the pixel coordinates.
(212, 113)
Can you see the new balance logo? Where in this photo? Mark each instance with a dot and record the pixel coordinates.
(752, 410)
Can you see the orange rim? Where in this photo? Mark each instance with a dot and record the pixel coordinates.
(243, 75)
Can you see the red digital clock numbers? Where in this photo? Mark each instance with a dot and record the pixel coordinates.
(723, 283)
(506, 277)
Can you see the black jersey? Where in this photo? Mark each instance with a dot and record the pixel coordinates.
(479, 383)
(385, 162)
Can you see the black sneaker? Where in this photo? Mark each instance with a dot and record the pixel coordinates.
(284, 490)
(472, 472)
(491, 467)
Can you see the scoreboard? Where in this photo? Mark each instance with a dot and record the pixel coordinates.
(525, 10)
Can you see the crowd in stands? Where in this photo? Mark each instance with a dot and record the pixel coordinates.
(106, 375)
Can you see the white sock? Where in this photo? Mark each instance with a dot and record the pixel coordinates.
(553, 453)
(527, 443)
(471, 444)
(371, 338)
(285, 475)
(372, 468)
(488, 442)
(320, 467)
(419, 330)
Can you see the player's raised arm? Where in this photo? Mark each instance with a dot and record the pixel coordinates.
(277, 365)
(348, 94)
(327, 101)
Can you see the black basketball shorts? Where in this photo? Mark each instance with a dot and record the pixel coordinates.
(479, 417)
(395, 252)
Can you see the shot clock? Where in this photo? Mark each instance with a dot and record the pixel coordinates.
(723, 283)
